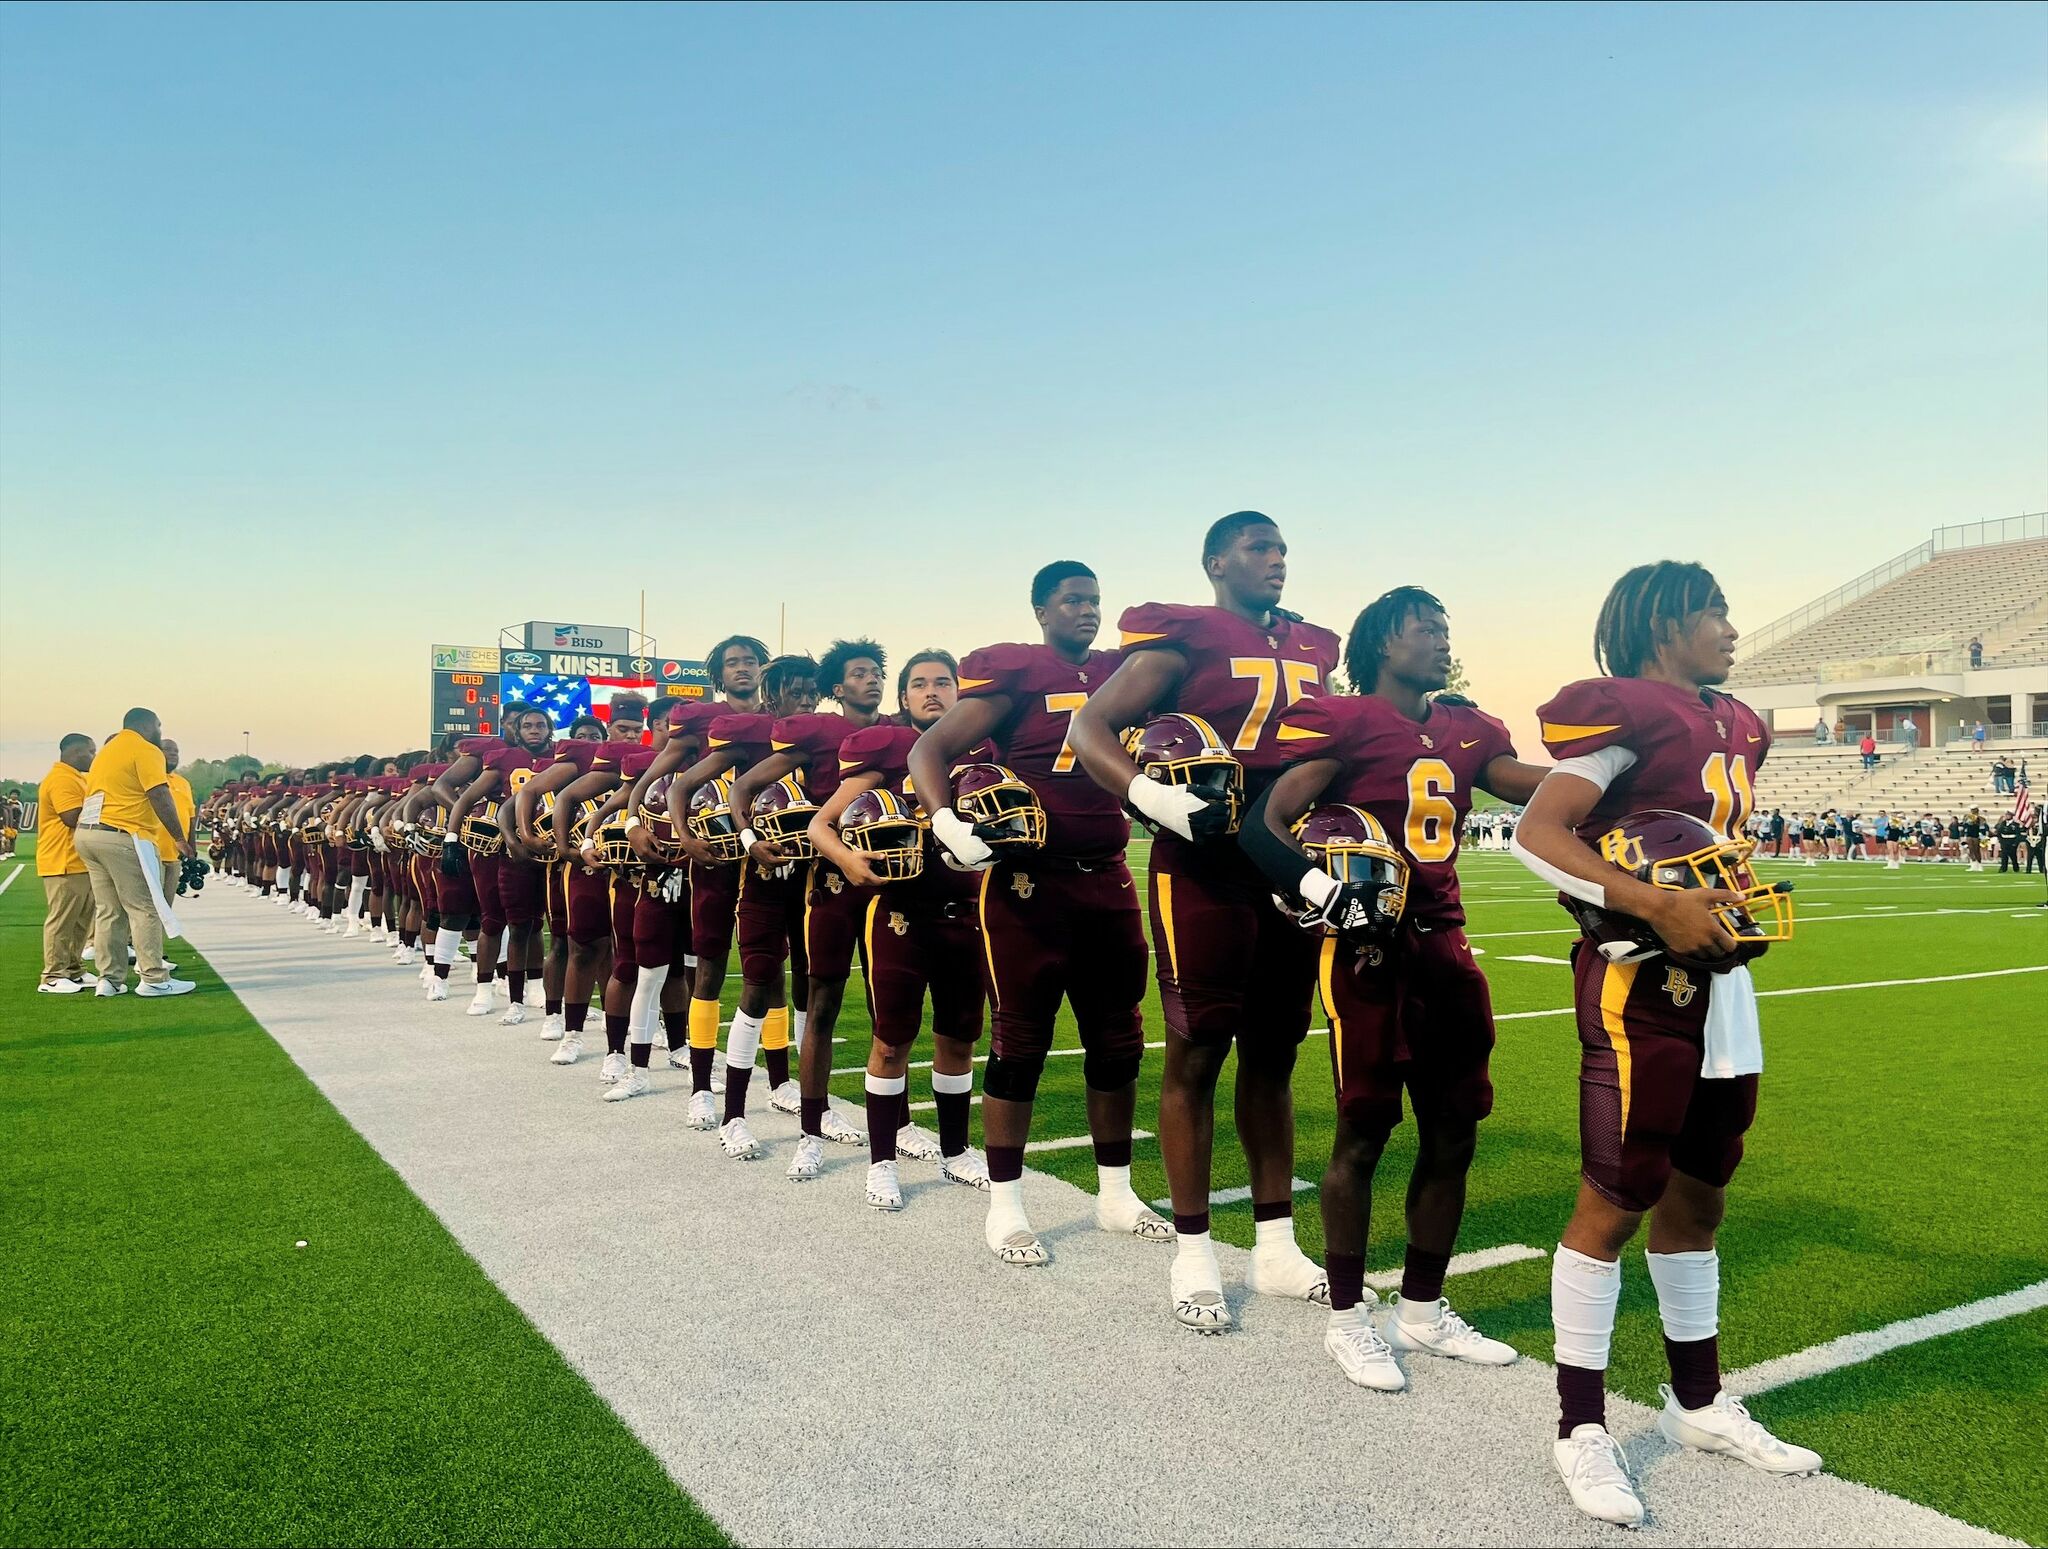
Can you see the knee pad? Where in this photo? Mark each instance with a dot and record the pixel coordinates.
(1106, 1072)
(1012, 1080)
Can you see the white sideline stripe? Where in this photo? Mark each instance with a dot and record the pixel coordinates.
(1817, 989)
(1466, 1264)
(1233, 1196)
(1532, 957)
(1853, 1349)
(982, 1059)
(1075, 1142)
(4, 886)
(1833, 919)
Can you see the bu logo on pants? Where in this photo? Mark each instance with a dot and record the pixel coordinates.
(898, 923)
(1022, 885)
(1679, 986)
(834, 882)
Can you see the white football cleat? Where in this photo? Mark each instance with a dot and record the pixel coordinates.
(1726, 1426)
(1593, 1469)
(515, 1015)
(633, 1083)
(613, 1069)
(355, 927)
(1282, 1269)
(167, 987)
(809, 1160)
(917, 1144)
(679, 1057)
(787, 1098)
(1196, 1286)
(1365, 1358)
(536, 994)
(427, 973)
(839, 1132)
(703, 1112)
(968, 1167)
(482, 1003)
(1130, 1216)
(737, 1141)
(885, 1192)
(552, 1027)
(1448, 1335)
(568, 1051)
(437, 987)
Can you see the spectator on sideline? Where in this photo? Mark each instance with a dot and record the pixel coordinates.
(1777, 831)
(1974, 829)
(10, 826)
(2037, 858)
(67, 891)
(181, 798)
(1910, 730)
(127, 796)
(1976, 652)
(1868, 748)
(1820, 732)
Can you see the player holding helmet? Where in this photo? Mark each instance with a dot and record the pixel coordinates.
(1639, 825)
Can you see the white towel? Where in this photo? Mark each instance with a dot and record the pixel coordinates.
(1734, 1041)
(153, 874)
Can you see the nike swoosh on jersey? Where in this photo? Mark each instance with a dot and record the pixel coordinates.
(1472, 744)
(1756, 739)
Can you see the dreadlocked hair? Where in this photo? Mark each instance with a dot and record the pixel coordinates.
(777, 674)
(1382, 619)
(715, 659)
(1644, 608)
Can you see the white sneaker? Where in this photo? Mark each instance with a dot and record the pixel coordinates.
(1196, 1285)
(1365, 1358)
(108, 988)
(1593, 1469)
(968, 1167)
(679, 1057)
(1449, 1335)
(515, 1015)
(1129, 1216)
(633, 1084)
(787, 1098)
(168, 987)
(885, 1192)
(917, 1144)
(1007, 1231)
(355, 928)
(536, 994)
(1725, 1426)
(568, 1051)
(839, 1132)
(552, 1027)
(61, 987)
(613, 1069)
(737, 1141)
(703, 1113)
(809, 1160)
(427, 974)
(482, 1003)
(1282, 1269)
(437, 987)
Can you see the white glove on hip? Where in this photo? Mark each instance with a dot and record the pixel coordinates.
(958, 836)
(1170, 806)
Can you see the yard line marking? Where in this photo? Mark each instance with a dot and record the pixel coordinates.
(982, 1059)
(1233, 1196)
(1833, 919)
(1467, 1263)
(4, 886)
(1854, 1349)
(1532, 957)
(1074, 1142)
(1816, 989)
(972, 1102)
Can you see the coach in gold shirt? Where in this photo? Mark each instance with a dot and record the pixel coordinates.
(67, 891)
(127, 799)
(181, 798)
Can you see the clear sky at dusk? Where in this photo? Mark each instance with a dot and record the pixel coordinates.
(330, 332)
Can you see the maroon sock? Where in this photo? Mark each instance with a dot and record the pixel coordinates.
(515, 982)
(1695, 1369)
(1422, 1275)
(883, 1108)
(1191, 1225)
(554, 1007)
(700, 1069)
(573, 1016)
(1005, 1164)
(1347, 1279)
(615, 1034)
(737, 1079)
(441, 970)
(778, 1066)
(1581, 1399)
(1113, 1153)
(485, 975)
(811, 1115)
(952, 1109)
(639, 1052)
(1278, 1210)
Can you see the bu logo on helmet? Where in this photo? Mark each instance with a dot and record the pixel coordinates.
(1623, 849)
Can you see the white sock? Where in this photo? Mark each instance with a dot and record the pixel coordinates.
(1005, 1212)
(1113, 1182)
(1275, 1234)
(445, 942)
(646, 997)
(1415, 1312)
(1584, 1295)
(963, 1081)
(356, 889)
(1195, 1245)
(743, 1040)
(796, 1027)
(1688, 1293)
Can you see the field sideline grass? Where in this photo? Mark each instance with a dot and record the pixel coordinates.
(175, 1371)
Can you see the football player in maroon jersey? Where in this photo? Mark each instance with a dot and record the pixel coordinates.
(1408, 1008)
(579, 929)
(1233, 969)
(1669, 1045)
(1059, 922)
(852, 673)
(522, 877)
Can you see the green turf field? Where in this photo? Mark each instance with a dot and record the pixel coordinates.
(176, 1371)
(1898, 1167)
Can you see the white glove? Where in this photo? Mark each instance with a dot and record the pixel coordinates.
(1317, 887)
(1170, 806)
(377, 841)
(958, 836)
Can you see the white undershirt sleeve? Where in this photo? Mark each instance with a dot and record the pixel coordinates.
(1601, 770)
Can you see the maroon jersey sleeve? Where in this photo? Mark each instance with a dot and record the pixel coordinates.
(813, 740)
(634, 763)
(479, 747)
(881, 749)
(1158, 626)
(1586, 716)
(505, 760)
(749, 734)
(1310, 729)
(581, 754)
(994, 671)
(1688, 752)
(1083, 821)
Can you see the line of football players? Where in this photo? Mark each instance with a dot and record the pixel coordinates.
(970, 851)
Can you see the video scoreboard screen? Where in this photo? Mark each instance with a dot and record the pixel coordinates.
(472, 683)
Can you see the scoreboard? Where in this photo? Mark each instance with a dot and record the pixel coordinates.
(470, 684)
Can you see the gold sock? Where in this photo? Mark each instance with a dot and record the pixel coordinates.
(703, 1024)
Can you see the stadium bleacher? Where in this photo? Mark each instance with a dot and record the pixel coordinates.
(1939, 780)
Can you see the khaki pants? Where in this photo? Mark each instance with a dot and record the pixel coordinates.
(67, 925)
(122, 907)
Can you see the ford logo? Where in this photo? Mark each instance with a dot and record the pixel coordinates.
(523, 661)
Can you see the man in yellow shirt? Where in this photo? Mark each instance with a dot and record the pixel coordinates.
(67, 891)
(127, 798)
(181, 798)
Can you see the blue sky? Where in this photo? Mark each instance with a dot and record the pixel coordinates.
(330, 332)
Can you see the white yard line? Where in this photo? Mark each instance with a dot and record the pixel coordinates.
(1833, 919)
(1817, 989)
(1853, 1349)
(4, 886)
(1466, 1263)
(1532, 957)
(1075, 1142)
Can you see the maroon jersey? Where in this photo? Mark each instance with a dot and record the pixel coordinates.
(1416, 777)
(884, 749)
(582, 756)
(479, 747)
(1083, 822)
(635, 761)
(1239, 675)
(1693, 753)
(749, 735)
(505, 760)
(690, 719)
(427, 774)
(813, 741)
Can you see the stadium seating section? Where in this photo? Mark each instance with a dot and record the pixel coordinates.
(1938, 780)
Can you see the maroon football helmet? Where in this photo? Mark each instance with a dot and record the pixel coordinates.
(711, 818)
(1182, 749)
(888, 831)
(1349, 843)
(1006, 813)
(782, 815)
(661, 828)
(1675, 850)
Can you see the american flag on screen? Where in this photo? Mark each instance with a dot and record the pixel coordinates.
(563, 698)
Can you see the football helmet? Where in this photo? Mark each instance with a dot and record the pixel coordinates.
(1349, 843)
(425, 840)
(1006, 813)
(1676, 851)
(480, 835)
(661, 828)
(614, 848)
(782, 814)
(711, 818)
(1181, 749)
(888, 831)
